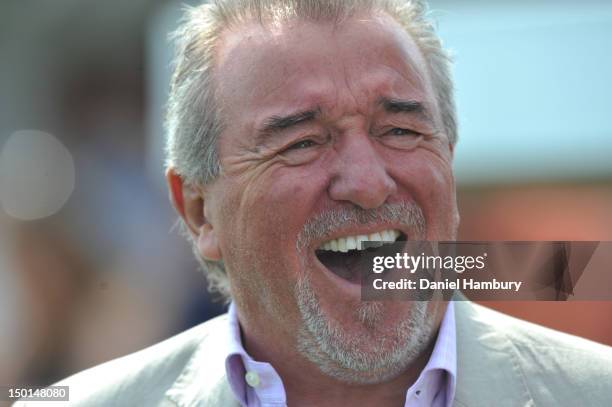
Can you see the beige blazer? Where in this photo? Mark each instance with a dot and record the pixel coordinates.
(501, 361)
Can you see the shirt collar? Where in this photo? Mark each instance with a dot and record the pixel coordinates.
(270, 389)
(436, 384)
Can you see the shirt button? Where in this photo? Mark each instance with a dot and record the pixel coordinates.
(252, 379)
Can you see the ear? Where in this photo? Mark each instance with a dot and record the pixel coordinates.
(189, 201)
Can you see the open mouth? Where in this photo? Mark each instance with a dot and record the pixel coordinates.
(345, 256)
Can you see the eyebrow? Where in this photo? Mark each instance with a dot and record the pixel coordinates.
(274, 124)
(406, 106)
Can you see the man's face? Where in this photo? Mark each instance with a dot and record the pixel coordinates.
(330, 132)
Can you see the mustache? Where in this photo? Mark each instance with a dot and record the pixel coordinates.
(409, 215)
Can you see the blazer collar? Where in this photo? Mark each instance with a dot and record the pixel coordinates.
(203, 382)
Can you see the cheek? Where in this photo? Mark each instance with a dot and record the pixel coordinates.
(273, 207)
(291, 199)
(430, 182)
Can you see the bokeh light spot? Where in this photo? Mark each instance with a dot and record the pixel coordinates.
(37, 175)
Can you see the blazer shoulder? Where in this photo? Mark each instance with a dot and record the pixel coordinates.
(526, 335)
(555, 365)
(143, 377)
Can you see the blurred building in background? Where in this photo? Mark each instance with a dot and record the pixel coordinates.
(92, 269)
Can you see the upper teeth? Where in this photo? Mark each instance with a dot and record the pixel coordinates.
(344, 244)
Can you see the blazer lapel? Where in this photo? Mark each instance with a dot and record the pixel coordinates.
(488, 366)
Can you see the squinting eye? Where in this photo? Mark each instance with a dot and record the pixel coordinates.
(402, 139)
(302, 145)
(303, 150)
(402, 132)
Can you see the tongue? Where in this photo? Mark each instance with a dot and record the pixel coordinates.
(345, 265)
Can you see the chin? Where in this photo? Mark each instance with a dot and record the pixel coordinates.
(375, 343)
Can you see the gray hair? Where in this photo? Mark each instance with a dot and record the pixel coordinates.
(193, 121)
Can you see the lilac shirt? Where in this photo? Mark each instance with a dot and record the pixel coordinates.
(257, 384)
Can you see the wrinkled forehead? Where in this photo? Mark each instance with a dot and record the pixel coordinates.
(293, 59)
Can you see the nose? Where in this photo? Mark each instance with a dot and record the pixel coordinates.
(360, 175)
